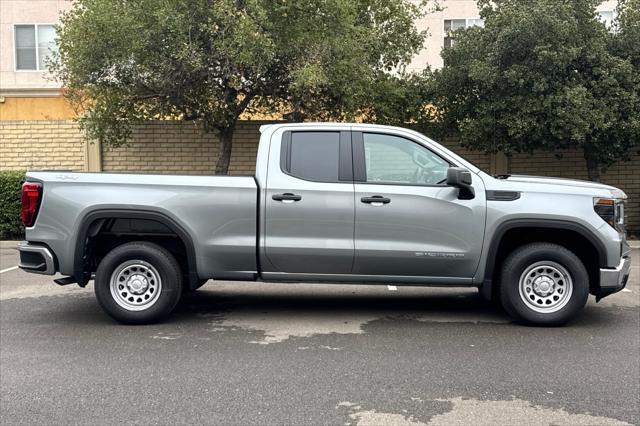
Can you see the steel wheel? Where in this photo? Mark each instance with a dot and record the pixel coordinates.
(135, 285)
(545, 286)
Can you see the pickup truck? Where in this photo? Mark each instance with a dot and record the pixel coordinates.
(330, 202)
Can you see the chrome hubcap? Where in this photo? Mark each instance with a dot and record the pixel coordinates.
(135, 285)
(545, 286)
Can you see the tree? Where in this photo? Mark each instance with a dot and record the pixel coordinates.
(542, 75)
(213, 60)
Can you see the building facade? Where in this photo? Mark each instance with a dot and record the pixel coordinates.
(457, 14)
(27, 38)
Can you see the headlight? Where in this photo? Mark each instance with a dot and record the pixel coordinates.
(611, 210)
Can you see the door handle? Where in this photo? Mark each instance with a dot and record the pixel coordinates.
(287, 197)
(376, 200)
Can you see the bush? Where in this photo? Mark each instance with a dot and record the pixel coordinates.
(10, 222)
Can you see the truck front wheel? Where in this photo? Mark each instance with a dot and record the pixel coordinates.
(543, 284)
(138, 283)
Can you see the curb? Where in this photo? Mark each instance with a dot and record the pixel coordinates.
(8, 244)
(634, 244)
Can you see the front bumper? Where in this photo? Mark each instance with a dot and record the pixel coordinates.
(615, 279)
(36, 259)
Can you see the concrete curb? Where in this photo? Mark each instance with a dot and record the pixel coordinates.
(634, 244)
(8, 244)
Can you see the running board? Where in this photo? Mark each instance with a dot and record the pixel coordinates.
(65, 281)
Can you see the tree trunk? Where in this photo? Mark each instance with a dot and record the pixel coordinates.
(593, 168)
(295, 116)
(224, 151)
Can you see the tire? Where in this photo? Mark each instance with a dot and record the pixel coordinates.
(543, 284)
(138, 283)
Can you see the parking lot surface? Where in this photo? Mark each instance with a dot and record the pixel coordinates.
(256, 353)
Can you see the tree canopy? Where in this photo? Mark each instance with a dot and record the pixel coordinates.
(213, 60)
(543, 75)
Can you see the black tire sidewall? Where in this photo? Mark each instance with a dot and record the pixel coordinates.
(161, 260)
(525, 256)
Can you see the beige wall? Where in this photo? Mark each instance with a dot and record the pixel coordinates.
(37, 145)
(172, 147)
(14, 12)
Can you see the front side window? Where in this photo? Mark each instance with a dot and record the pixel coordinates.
(395, 160)
(315, 156)
(451, 25)
(34, 45)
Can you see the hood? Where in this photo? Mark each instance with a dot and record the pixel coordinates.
(566, 183)
(559, 181)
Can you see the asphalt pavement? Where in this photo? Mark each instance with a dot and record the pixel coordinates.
(256, 353)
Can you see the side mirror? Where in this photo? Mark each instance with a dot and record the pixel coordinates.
(461, 178)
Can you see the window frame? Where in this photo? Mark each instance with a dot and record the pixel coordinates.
(466, 25)
(360, 161)
(15, 46)
(345, 156)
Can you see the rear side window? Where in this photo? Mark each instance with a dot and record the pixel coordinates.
(313, 155)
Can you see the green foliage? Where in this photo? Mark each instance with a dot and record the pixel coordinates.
(212, 60)
(10, 190)
(626, 40)
(543, 75)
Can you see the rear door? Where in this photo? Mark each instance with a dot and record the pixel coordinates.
(309, 218)
(408, 222)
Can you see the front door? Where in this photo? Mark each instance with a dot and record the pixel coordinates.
(309, 219)
(408, 222)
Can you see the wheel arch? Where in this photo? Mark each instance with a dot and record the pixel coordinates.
(92, 222)
(500, 236)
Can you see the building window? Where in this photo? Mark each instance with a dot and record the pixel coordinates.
(450, 25)
(34, 45)
(607, 17)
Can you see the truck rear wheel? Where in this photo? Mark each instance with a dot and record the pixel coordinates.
(543, 284)
(138, 283)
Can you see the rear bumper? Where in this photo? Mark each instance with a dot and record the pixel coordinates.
(36, 259)
(615, 279)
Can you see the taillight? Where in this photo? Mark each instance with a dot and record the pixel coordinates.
(31, 195)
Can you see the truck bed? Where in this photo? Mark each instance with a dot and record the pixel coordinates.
(218, 213)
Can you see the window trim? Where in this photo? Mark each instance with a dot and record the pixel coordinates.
(360, 165)
(466, 20)
(15, 46)
(345, 157)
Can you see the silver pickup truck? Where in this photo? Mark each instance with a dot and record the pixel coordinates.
(334, 202)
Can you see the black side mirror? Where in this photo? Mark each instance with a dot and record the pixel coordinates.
(461, 178)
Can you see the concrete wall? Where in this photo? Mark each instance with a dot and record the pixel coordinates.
(181, 148)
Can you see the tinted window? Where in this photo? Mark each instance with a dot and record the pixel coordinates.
(315, 155)
(396, 160)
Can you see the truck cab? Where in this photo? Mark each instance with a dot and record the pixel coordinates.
(365, 204)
